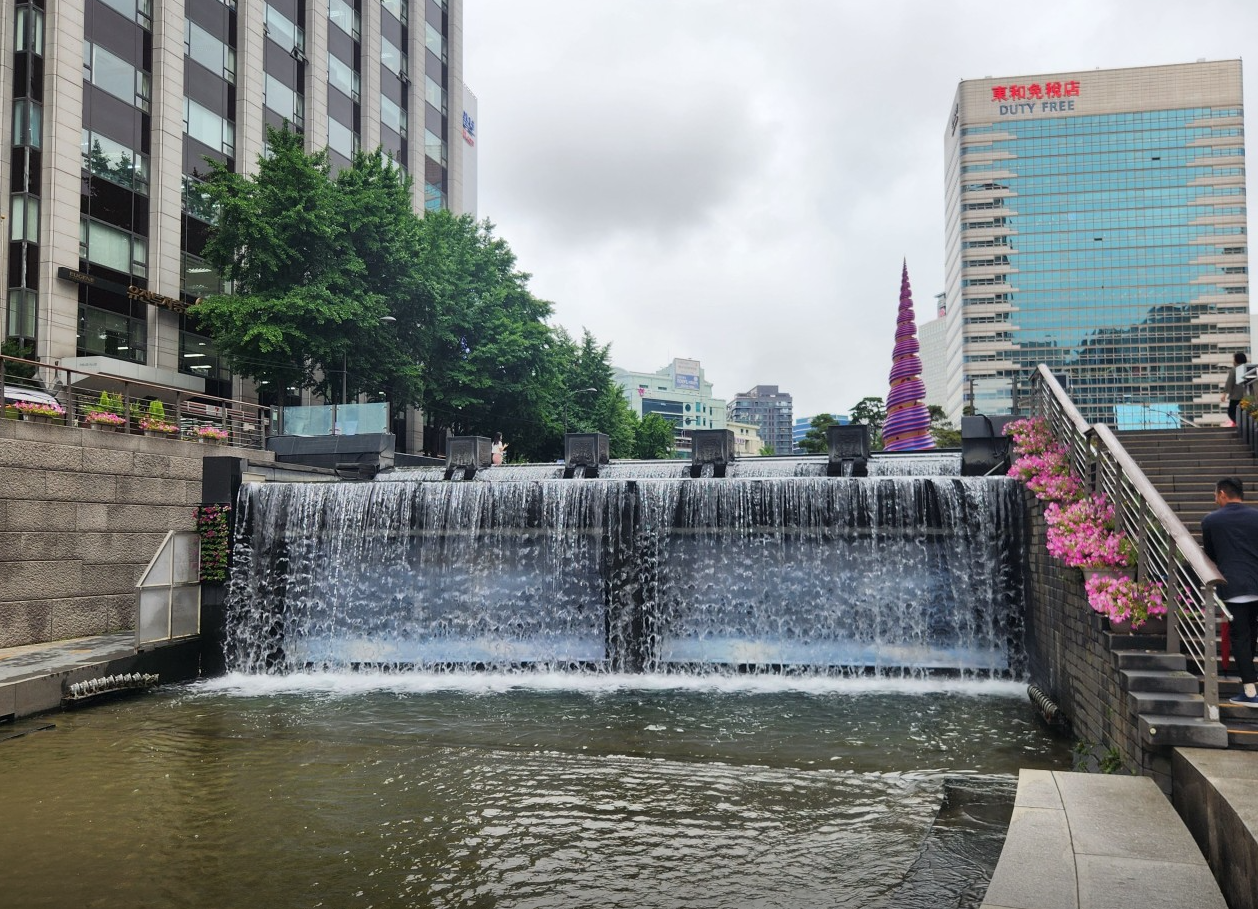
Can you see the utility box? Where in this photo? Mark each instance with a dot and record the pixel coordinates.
(984, 446)
(848, 450)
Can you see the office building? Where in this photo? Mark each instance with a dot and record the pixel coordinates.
(109, 109)
(679, 392)
(770, 409)
(801, 425)
(1096, 222)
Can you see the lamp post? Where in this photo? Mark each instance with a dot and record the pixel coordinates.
(565, 406)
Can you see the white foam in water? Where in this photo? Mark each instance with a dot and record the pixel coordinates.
(348, 684)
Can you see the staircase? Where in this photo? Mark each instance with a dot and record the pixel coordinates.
(1184, 465)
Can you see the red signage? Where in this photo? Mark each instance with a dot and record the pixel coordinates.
(1035, 91)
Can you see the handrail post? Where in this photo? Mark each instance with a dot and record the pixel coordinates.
(1210, 673)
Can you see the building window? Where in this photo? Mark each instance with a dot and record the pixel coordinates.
(341, 139)
(435, 42)
(342, 76)
(115, 162)
(284, 32)
(392, 115)
(345, 17)
(399, 9)
(22, 310)
(113, 248)
(209, 128)
(435, 147)
(111, 334)
(286, 102)
(207, 50)
(140, 11)
(197, 202)
(116, 76)
(434, 198)
(393, 58)
(28, 30)
(197, 357)
(435, 95)
(28, 123)
(197, 278)
(23, 218)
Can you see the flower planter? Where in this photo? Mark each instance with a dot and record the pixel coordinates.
(36, 418)
(1155, 624)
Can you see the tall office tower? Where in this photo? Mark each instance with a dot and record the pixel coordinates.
(109, 108)
(771, 410)
(1096, 223)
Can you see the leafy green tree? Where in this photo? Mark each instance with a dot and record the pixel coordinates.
(19, 373)
(766, 451)
(304, 304)
(941, 429)
(654, 438)
(815, 440)
(873, 413)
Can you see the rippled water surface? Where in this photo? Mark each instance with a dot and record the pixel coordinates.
(510, 791)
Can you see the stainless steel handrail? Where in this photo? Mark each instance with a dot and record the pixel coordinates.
(247, 424)
(1166, 551)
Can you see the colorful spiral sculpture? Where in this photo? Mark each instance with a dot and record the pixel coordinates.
(907, 427)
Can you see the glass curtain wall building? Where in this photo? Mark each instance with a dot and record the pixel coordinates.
(1096, 222)
(109, 110)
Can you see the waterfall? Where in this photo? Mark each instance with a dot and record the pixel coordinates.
(642, 575)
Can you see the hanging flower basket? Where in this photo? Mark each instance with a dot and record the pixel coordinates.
(1131, 606)
(213, 528)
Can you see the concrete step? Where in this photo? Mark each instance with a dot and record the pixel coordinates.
(1241, 736)
(1143, 642)
(1160, 682)
(1166, 731)
(1167, 704)
(1149, 660)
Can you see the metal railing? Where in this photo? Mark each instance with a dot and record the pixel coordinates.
(169, 592)
(246, 424)
(1166, 551)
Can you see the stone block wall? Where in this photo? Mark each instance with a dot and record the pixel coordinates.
(81, 514)
(1069, 657)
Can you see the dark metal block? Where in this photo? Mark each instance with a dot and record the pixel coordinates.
(586, 449)
(848, 450)
(984, 446)
(468, 451)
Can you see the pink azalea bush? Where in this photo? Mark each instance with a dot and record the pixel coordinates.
(1042, 463)
(106, 418)
(1122, 599)
(31, 408)
(1081, 534)
(211, 432)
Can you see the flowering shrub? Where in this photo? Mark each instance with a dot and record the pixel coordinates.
(33, 409)
(1081, 534)
(1042, 463)
(211, 432)
(106, 418)
(213, 528)
(153, 424)
(1122, 599)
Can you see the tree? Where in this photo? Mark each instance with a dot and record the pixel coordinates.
(815, 440)
(654, 438)
(871, 412)
(941, 429)
(296, 247)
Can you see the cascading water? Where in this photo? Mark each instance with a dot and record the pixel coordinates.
(644, 575)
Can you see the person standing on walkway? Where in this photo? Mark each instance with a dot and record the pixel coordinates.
(1229, 536)
(1234, 386)
(498, 450)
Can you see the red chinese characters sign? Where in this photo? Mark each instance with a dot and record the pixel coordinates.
(1035, 91)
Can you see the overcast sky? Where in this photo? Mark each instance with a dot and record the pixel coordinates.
(739, 182)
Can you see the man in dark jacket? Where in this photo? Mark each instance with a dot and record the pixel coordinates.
(1230, 537)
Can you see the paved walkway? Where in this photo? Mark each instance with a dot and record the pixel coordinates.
(33, 678)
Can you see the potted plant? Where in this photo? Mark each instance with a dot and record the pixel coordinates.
(1129, 605)
(106, 413)
(1082, 535)
(154, 424)
(40, 412)
(210, 434)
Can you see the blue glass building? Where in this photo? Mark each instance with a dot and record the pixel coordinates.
(1096, 222)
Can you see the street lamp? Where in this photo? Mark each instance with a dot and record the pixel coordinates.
(345, 366)
(565, 406)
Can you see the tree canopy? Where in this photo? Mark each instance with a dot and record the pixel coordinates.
(815, 440)
(338, 286)
(873, 413)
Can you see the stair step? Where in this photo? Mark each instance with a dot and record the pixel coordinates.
(1243, 736)
(1149, 660)
(1163, 731)
(1160, 682)
(1167, 704)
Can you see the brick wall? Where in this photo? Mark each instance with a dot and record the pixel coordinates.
(1069, 658)
(81, 514)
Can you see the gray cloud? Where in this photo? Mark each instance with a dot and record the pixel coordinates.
(739, 182)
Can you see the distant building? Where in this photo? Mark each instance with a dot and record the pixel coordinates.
(803, 424)
(679, 393)
(747, 441)
(471, 146)
(1096, 223)
(932, 340)
(769, 409)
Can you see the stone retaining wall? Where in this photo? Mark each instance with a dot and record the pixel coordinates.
(81, 514)
(1070, 659)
